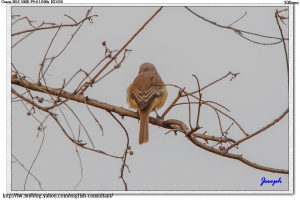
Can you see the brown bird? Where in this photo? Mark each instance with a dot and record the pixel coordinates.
(146, 94)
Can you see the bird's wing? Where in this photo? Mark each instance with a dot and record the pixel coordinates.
(145, 89)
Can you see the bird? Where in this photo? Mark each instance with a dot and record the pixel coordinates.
(147, 93)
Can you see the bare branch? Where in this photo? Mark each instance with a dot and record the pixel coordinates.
(43, 61)
(227, 116)
(71, 18)
(42, 142)
(125, 151)
(213, 138)
(237, 157)
(234, 74)
(56, 120)
(54, 26)
(282, 37)
(238, 19)
(29, 21)
(94, 118)
(199, 104)
(228, 27)
(172, 104)
(81, 169)
(259, 131)
(169, 124)
(115, 56)
(40, 185)
(189, 103)
(258, 42)
(117, 66)
(81, 124)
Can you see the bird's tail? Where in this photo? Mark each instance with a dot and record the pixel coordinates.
(144, 121)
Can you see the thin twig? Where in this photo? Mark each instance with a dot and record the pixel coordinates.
(81, 124)
(189, 103)
(258, 42)
(213, 138)
(229, 128)
(220, 123)
(79, 158)
(200, 97)
(81, 168)
(80, 70)
(237, 157)
(238, 19)
(172, 104)
(18, 75)
(42, 142)
(53, 26)
(67, 122)
(88, 75)
(29, 21)
(215, 81)
(56, 120)
(227, 116)
(72, 36)
(40, 185)
(117, 66)
(80, 144)
(197, 127)
(71, 18)
(259, 131)
(218, 105)
(101, 128)
(21, 39)
(125, 151)
(43, 61)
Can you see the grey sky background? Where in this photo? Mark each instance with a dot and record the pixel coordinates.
(179, 44)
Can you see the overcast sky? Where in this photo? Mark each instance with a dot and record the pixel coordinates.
(179, 44)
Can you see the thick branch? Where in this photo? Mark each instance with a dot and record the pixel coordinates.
(169, 124)
(82, 99)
